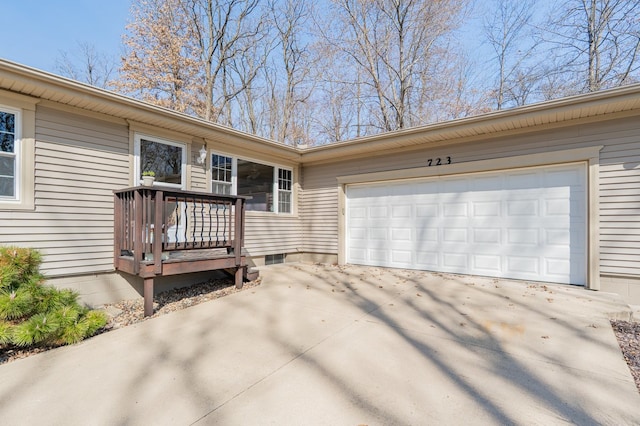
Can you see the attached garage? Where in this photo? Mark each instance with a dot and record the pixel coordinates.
(525, 223)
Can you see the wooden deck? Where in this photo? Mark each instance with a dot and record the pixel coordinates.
(160, 232)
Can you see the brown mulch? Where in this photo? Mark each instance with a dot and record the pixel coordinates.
(628, 335)
(130, 312)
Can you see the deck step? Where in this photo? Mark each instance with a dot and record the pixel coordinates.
(251, 274)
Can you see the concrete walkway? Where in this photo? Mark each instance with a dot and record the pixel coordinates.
(323, 345)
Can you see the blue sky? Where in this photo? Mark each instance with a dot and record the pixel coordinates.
(35, 31)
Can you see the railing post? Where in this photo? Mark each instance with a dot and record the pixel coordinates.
(237, 233)
(118, 229)
(138, 231)
(237, 245)
(158, 231)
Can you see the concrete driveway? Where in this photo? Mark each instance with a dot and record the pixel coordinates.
(323, 345)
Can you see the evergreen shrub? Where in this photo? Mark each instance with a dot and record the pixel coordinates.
(35, 314)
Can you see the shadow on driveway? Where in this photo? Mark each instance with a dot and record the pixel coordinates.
(319, 344)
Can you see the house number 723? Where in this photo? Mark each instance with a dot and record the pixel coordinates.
(438, 161)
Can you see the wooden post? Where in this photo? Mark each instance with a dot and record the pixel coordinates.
(159, 229)
(138, 231)
(239, 277)
(118, 230)
(237, 233)
(148, 296)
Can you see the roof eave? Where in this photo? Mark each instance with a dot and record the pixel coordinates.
(28, 81)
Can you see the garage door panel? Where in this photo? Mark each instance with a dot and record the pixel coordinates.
(402, 235)
(378, 234)
(487, 235)
(401, 257)
(428, 259)
(487, 263)
(427, 210)
(526, 207)
(402, 212)
(558, 237)
(455, 262)
(486, 209)
(527, 224)
(523, 265)
(523, 236)
(559, 267)
(455, 209)
(558, 207)
(427, 235)
(455, 235)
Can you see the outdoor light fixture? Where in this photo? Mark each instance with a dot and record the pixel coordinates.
(203, 155)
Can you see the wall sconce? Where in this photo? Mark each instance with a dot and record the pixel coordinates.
(203, 155)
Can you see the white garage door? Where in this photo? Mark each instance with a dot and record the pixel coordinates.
(525, 224)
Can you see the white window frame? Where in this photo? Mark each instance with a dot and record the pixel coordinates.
(234, 180)
(278, 191)
(16, 155)
(137, 172)
(233, 172)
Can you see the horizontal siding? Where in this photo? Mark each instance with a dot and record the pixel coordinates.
(272, 234)
(79, 162)
(619, 183)
(198, 171)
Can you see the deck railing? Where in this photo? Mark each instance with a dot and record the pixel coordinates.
(151, 221)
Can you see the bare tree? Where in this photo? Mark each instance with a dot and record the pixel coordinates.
(160, 64)
(87, 65)
(598, 42)
(505, 30)
(223, 30)
(394, 42)
(184, 54)
(289, 18)
(270, 68)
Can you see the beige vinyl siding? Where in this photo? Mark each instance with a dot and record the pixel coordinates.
(319, 210)
(272, 234)
(79, 161)
(619, 179)
(198, 171)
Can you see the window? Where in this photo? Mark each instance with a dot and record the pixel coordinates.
(284, 190)
(256, 181)
(166, 159)
(268, 187)
(9, 149)
(221, 176)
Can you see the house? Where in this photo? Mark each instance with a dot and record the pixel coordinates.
(546, 192)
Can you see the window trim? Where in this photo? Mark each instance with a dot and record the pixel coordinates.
(233, 176)
(284, 191)
(137, 179)
(16, 154)
(234, 179)
(24, 108)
